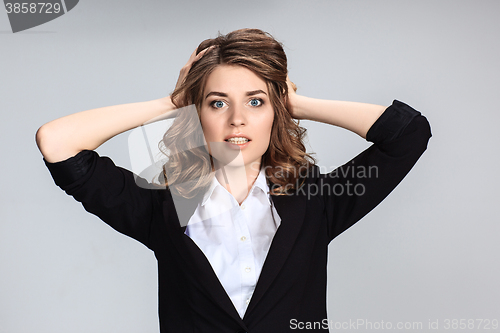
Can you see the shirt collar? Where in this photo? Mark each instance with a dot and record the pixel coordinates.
(260, 183)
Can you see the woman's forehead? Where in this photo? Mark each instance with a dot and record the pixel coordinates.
(235, 79)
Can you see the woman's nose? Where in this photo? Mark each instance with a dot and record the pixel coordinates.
(237, 116)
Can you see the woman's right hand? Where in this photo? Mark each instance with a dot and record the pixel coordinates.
(185, 69)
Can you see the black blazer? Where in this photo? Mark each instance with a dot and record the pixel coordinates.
(292, 286)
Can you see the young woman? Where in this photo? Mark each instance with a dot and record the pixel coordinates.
(251, 254)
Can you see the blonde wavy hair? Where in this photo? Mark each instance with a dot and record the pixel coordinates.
(190, 167)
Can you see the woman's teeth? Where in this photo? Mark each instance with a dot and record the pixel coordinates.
(238, 141)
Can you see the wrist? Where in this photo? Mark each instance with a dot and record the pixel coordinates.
(167, 104)
(298, 107)
(162, 108)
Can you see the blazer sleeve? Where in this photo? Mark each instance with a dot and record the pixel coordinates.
(400, 136)
(116, 195)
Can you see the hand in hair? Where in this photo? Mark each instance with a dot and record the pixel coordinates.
(185, 69)
(290, 101)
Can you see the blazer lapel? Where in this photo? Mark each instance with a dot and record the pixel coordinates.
(291, 209)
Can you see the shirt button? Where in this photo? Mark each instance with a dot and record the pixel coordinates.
(243, 238)
(247, 301)
(243, 206)
(248, 269)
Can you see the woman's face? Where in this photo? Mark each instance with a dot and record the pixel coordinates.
(236, 116)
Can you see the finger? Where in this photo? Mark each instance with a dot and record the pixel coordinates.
(192, 56)
(202, 53)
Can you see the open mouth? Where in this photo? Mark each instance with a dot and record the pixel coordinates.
(238, 140)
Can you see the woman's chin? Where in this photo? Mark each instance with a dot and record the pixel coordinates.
(229, 161)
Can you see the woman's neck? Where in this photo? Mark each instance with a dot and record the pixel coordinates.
(238, 180)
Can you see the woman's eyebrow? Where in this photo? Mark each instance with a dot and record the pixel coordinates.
(248, 93)
(255, 92)
(216, 93)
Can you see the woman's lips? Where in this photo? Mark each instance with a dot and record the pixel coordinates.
(237, 146)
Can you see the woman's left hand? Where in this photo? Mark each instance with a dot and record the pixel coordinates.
(291, 99)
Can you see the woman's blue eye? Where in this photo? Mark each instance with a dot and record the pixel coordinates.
(255, 102)
(218, 104)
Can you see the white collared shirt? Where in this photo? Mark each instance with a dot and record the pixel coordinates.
(235, 239)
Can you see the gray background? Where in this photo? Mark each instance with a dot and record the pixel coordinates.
(428, 252)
